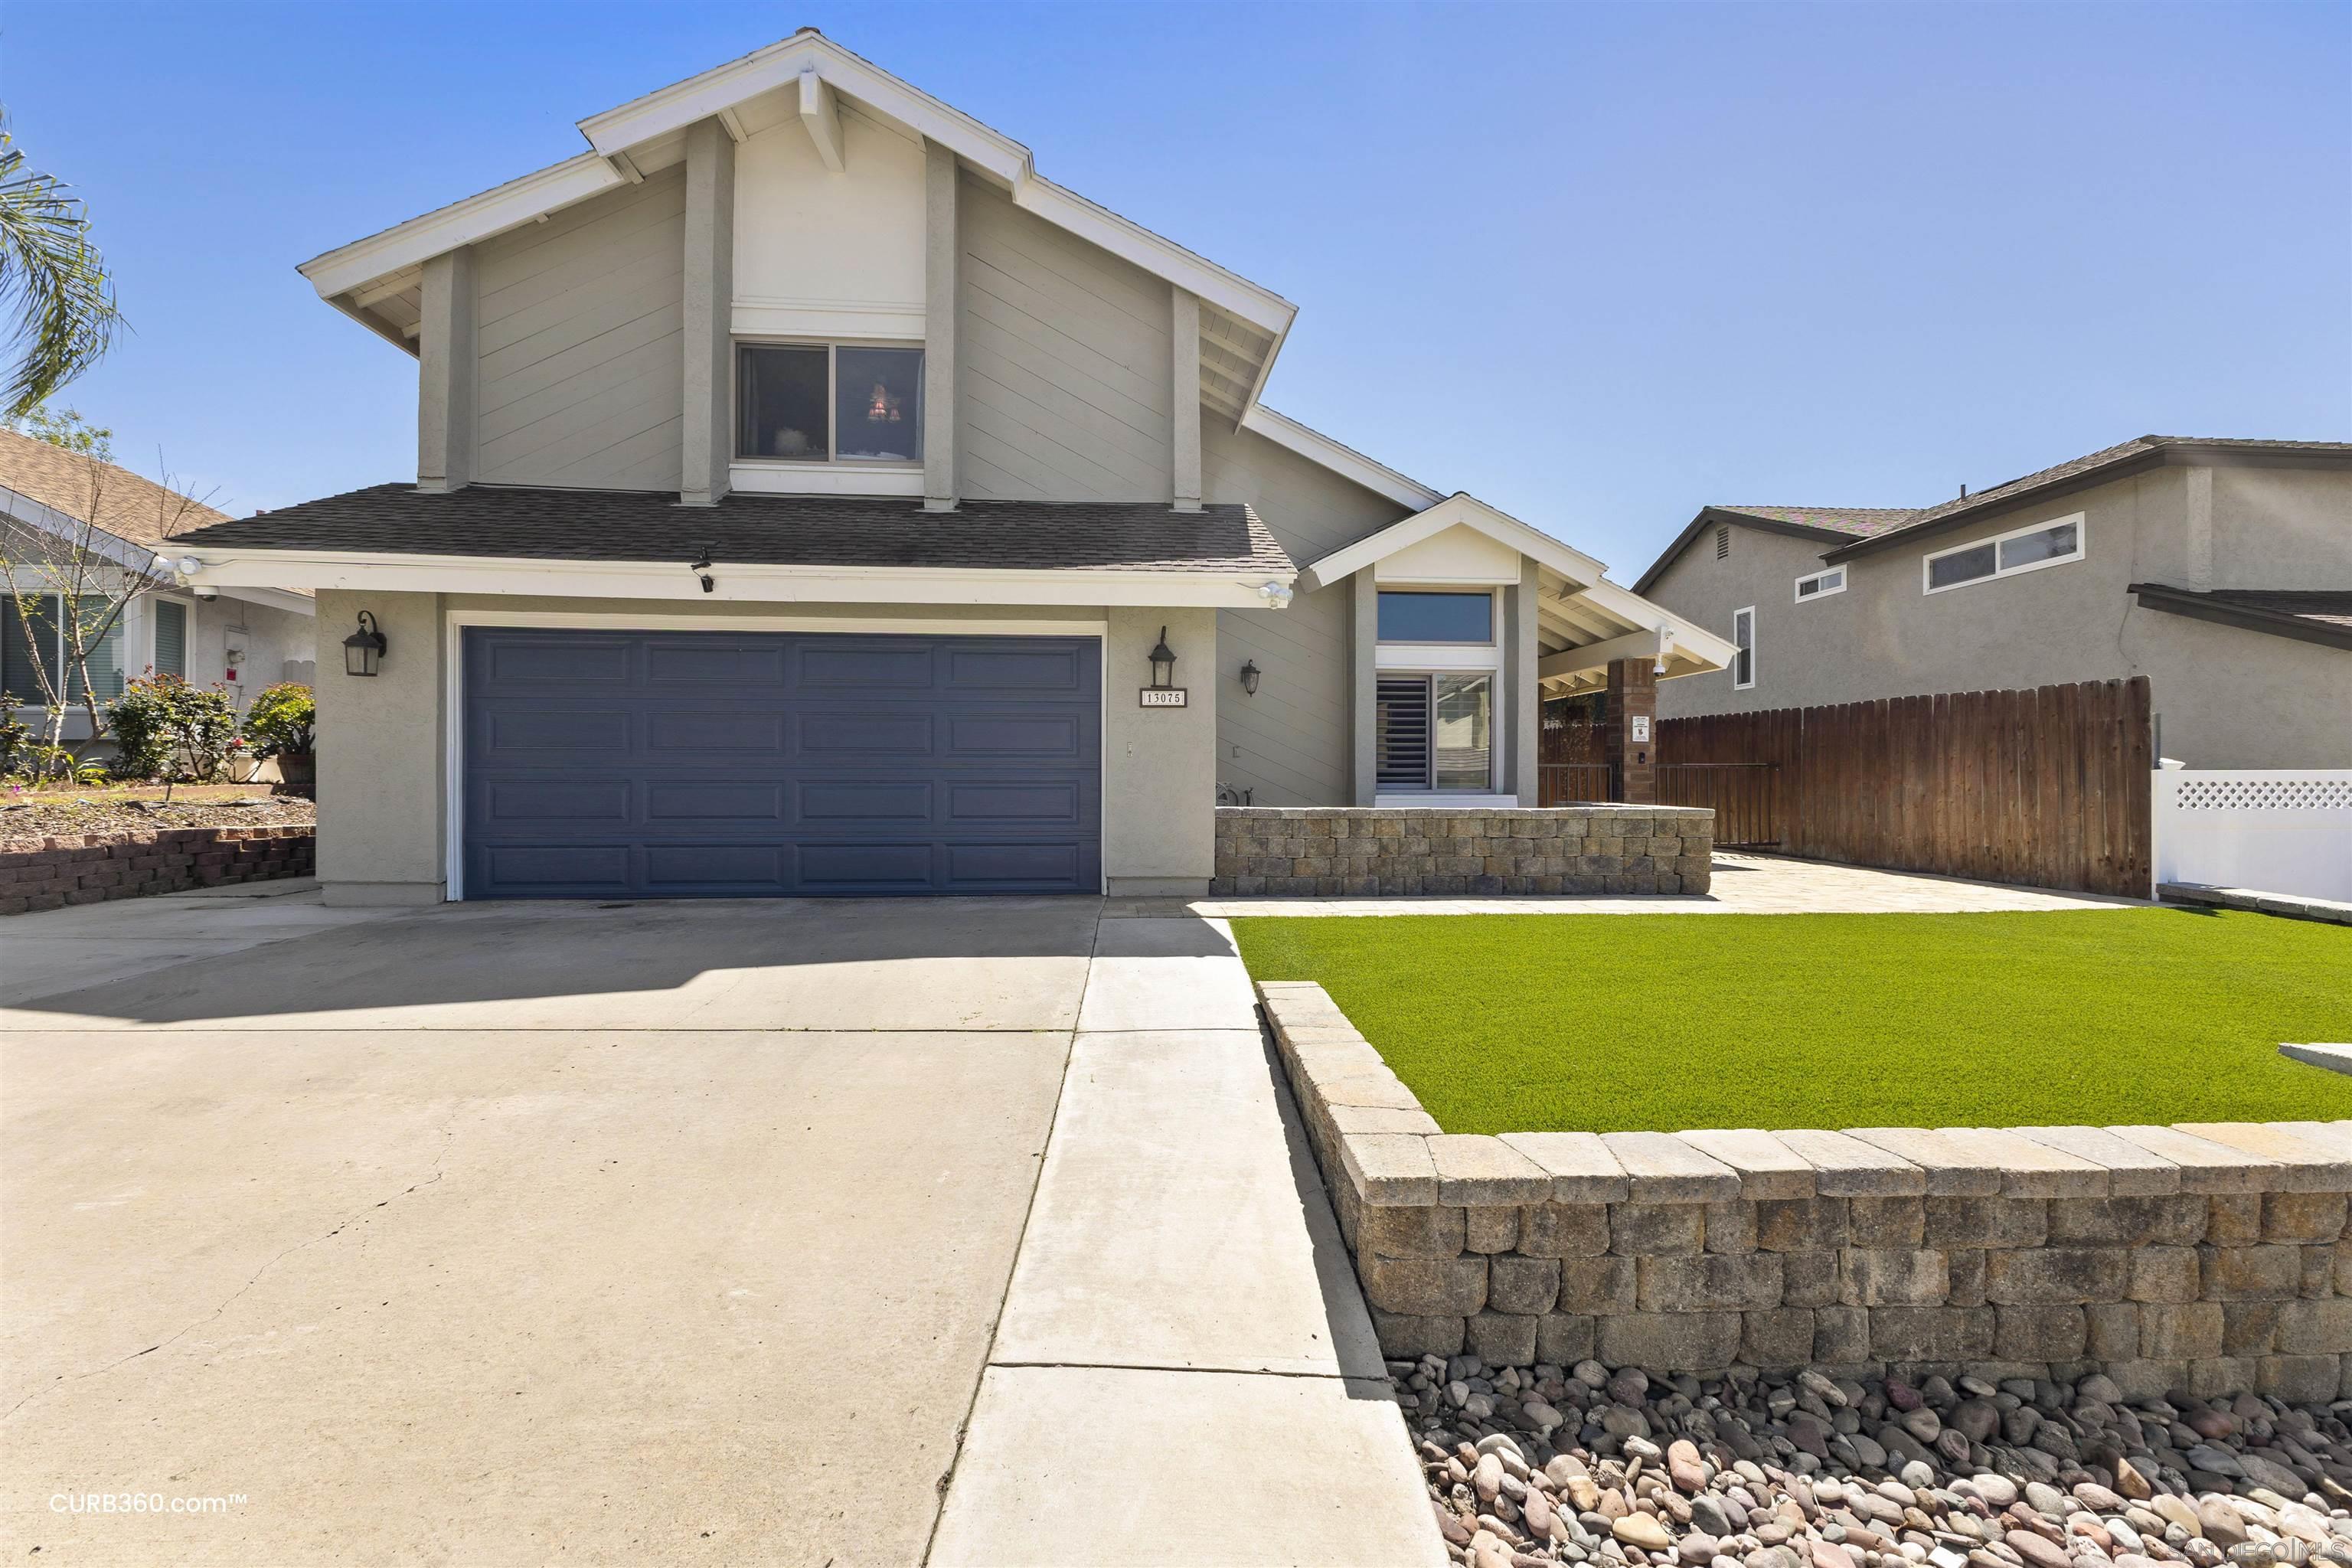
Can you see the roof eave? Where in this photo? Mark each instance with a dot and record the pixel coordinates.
(2201, 606)
(1709, 515)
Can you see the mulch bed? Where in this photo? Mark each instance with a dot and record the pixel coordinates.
(29, 820)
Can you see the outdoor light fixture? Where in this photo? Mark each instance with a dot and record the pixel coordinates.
(1275, 595)
(1250, 678)
(1163, 663)
(701, 569)
(364, 649)
(190, 565)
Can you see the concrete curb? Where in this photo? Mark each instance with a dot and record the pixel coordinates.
(2334, 910)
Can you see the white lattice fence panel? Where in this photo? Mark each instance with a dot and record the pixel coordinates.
(2276, 832)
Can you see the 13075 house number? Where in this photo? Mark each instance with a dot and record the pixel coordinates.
(1161, 697)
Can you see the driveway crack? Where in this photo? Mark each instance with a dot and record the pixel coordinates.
(446, 1134)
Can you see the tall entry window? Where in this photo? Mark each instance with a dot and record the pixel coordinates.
(828, 403)
(1435, 732)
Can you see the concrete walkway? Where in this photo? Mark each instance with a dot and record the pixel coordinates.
(1184, 1372)
(1745, 884)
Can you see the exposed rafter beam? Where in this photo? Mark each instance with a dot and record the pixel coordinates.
(626, 167)
(1647, 643)
(822, 114)
(384, 289)
(734, 124)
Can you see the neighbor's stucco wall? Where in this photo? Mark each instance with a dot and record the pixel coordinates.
(381, 763)
(2225, 698)
(380, 757)
(579, 347)
(1291, 745)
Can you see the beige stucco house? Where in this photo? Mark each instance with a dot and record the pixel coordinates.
(56, 506)
(804, 487)
(2221, 570)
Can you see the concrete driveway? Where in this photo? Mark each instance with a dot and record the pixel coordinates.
(674, 1233)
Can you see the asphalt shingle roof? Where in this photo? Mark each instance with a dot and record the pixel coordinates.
(113, 499)
(768, 529)
(1862, 522)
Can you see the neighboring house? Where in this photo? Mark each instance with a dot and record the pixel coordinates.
(244, 636)
(803, 487)
(2221, 570)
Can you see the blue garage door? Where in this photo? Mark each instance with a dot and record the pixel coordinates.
(715, 765)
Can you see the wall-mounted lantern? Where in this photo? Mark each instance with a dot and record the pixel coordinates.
(364, 649)
(1163, 691)
(1250, 678)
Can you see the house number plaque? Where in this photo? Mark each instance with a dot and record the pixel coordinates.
(1161, 697)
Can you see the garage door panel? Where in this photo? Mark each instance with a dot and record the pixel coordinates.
(1057, 669)
(714, 800)
(721, 764)
(838, 735)
(905, 667)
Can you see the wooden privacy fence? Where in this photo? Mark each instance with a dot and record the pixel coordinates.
(1744, 796)
(1567, 783)
(2047, 787)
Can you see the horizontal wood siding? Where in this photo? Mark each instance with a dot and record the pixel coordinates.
(2047, 787)
(578, 332)
(1293, 736)
(1064, 381)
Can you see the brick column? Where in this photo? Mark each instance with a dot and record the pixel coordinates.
(1633, 694)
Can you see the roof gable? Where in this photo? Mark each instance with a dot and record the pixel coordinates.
(1458, 510)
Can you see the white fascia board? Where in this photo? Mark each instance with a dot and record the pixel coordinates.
(1460, 508)
(763, 583)
(1343, 461)
(494, 212)
(284, 599)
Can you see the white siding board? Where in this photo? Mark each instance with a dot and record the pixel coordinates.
(580, 362)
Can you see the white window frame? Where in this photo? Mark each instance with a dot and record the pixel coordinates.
(1797, 590)
(1494, 613)
(832, 461)
(1433, 674)
(2082, 548)
(1748, 648)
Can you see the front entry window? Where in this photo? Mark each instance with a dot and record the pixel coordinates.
(1435, 732)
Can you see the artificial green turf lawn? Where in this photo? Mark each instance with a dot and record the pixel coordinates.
(1609, 1022)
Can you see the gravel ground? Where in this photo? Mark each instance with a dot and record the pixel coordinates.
(26, 822)
(1544, 1465)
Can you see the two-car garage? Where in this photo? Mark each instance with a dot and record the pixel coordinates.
(720, 763)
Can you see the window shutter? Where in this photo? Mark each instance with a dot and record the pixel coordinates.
(106, 659)
(171, 638)
(20, 670)
(1403, 707)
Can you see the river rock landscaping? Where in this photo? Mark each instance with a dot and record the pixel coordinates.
(1544, 1464)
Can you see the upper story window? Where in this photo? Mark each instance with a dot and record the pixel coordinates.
(1437, 617)
(1743, 638)
(823, 403)
(2003, 555)
(1821, 584)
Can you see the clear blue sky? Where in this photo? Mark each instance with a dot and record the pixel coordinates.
(1598, 264)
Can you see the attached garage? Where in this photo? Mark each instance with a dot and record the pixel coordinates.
(710, 764)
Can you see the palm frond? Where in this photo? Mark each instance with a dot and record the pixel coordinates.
(53, 283)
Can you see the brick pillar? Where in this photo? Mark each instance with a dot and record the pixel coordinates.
(1633, 694)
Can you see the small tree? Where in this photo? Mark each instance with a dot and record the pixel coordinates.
(281, 721)
(68, 589)
(66, 427)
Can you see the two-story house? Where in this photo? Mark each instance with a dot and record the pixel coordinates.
(2221, 570)
(813, 498)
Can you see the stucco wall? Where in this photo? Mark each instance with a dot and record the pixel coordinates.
(379, 757)
(381, 741)
(1290, 744)
(2225, 698)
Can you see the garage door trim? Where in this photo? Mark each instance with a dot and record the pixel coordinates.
(453, 692)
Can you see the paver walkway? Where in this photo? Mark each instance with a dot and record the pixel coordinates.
(1745, 884)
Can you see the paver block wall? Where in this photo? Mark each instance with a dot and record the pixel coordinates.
(92, 868)
(2209, 1256)
(1360, 851)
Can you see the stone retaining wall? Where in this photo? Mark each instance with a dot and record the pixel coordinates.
(2209, 1256)
(92, 868)
(1341, 851)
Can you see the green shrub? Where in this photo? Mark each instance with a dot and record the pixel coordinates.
(281, 720)
(165, 729)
